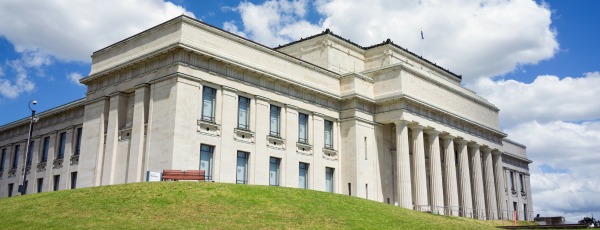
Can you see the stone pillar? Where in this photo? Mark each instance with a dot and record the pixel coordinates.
(112, 139)
(435, 170)
(464, 179)
(450, 184)
(419, 175)
(500, 189)
(489, 184)
(477, 182)
(403, 180)
(140, 116)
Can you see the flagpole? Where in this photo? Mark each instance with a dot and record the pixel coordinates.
(422, 44)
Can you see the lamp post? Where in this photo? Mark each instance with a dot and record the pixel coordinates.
(22, 188)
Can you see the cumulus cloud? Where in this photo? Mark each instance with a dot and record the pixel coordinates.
(72, 30)
(563, 174)
(547, 98)
(483, 38)
(74, 78)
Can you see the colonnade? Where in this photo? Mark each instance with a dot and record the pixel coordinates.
(445, 174)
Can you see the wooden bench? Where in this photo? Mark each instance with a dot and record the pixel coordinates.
(176, 175)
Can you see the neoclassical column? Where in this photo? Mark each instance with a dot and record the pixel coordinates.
(489, 184)
(117, 101)
(464, 179)
(419, 176)
(477, 181)
(499, 179)
(450, 184)
(140, 117)
(403, 181)
(435, 170)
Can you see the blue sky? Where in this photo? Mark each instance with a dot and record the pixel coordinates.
(539, 62)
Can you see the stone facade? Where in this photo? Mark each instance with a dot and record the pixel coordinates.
(320, 113)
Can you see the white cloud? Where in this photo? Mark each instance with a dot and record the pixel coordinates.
(563, 175)
(547, 98)
(74, 78)
(72, 30)
(477, 39)
(231, 27)
(12, 89)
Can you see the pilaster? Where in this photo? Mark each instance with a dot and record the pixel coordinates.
(138, 134)
(403, 181)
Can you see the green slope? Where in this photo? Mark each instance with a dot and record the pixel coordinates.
(185, 205)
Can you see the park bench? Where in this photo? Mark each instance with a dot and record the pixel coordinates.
(176, 175)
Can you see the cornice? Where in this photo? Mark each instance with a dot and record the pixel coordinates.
(47, 113)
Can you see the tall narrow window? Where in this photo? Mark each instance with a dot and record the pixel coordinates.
(521, 183)
(56, 182)
(303, 175)
(328, 134)
(45, 147)
(243, 113)
(15, 160)
(274, 163)
(73, 180)
(329, 179)
(29, 155)
(275, 121)
(209, 96)
(512, 181)
(78, 141)
(242, 167)
(10, 189)
(303, 128)
(25, 187)
(62, 139)
(524, 211)
(206, 160)
(2, 160)
(365, 148)
(40, 185)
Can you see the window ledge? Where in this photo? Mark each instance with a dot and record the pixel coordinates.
(514, 192)
(275, 142)
(523, 194)
(41, 166)
(304, 148)
(331, 154)
(243, 135)
(75, 159)
(209, 128)
(58, 163)
(12, 173)
(125, 134)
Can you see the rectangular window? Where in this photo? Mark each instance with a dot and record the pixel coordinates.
(2, 160)
(274, 163)
(45, 149)
(62, 139)
(73, 180)
(275, 121)
(512, 181)
(30, 152)
(10, 189)
(40, 184)
(25, 187)
(521, 182)
(328, 134)
(242, 167)
(15, 160)
(206, 161)
(243, 113)
(329, 179)
(303, 175)
(209, 97)
(302, 128)
(56, 182)
(78, 141)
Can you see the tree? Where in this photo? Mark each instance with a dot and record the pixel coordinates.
(589, 221)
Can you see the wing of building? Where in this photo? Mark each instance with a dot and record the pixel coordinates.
(321, 113)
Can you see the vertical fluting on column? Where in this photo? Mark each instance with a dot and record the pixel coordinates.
(464, 179)
(435, 170)
(419, 176)
(477, 182)
(450, 184)
(403, 180)
(489, 184)
(500, 189)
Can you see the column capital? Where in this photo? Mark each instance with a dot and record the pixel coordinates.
(496, 152)
(432, 132)
(473, 144)
(447, 136)
(401, 123)
(485, 149)
(460, 141)
(141, 86)
(416, 126)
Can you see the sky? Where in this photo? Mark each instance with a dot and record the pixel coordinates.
(537, 61)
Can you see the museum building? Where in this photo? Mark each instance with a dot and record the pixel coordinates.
(320, 113)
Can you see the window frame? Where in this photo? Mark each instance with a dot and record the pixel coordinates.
(15, 159)
(45, 149)
(330, 172)
(208, 173)
(56, 182)
(203, 114)
(247, 103)
(277, 165)
(246, 157)
(3, 160)
(304, 170)
(30, 154)
(78, 136)
(62, 143)
(277, 131)
(302, 117)
(331, 138)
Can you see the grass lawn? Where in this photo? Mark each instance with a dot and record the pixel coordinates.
(185, 205)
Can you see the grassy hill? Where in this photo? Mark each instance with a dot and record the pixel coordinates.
(185, 205)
